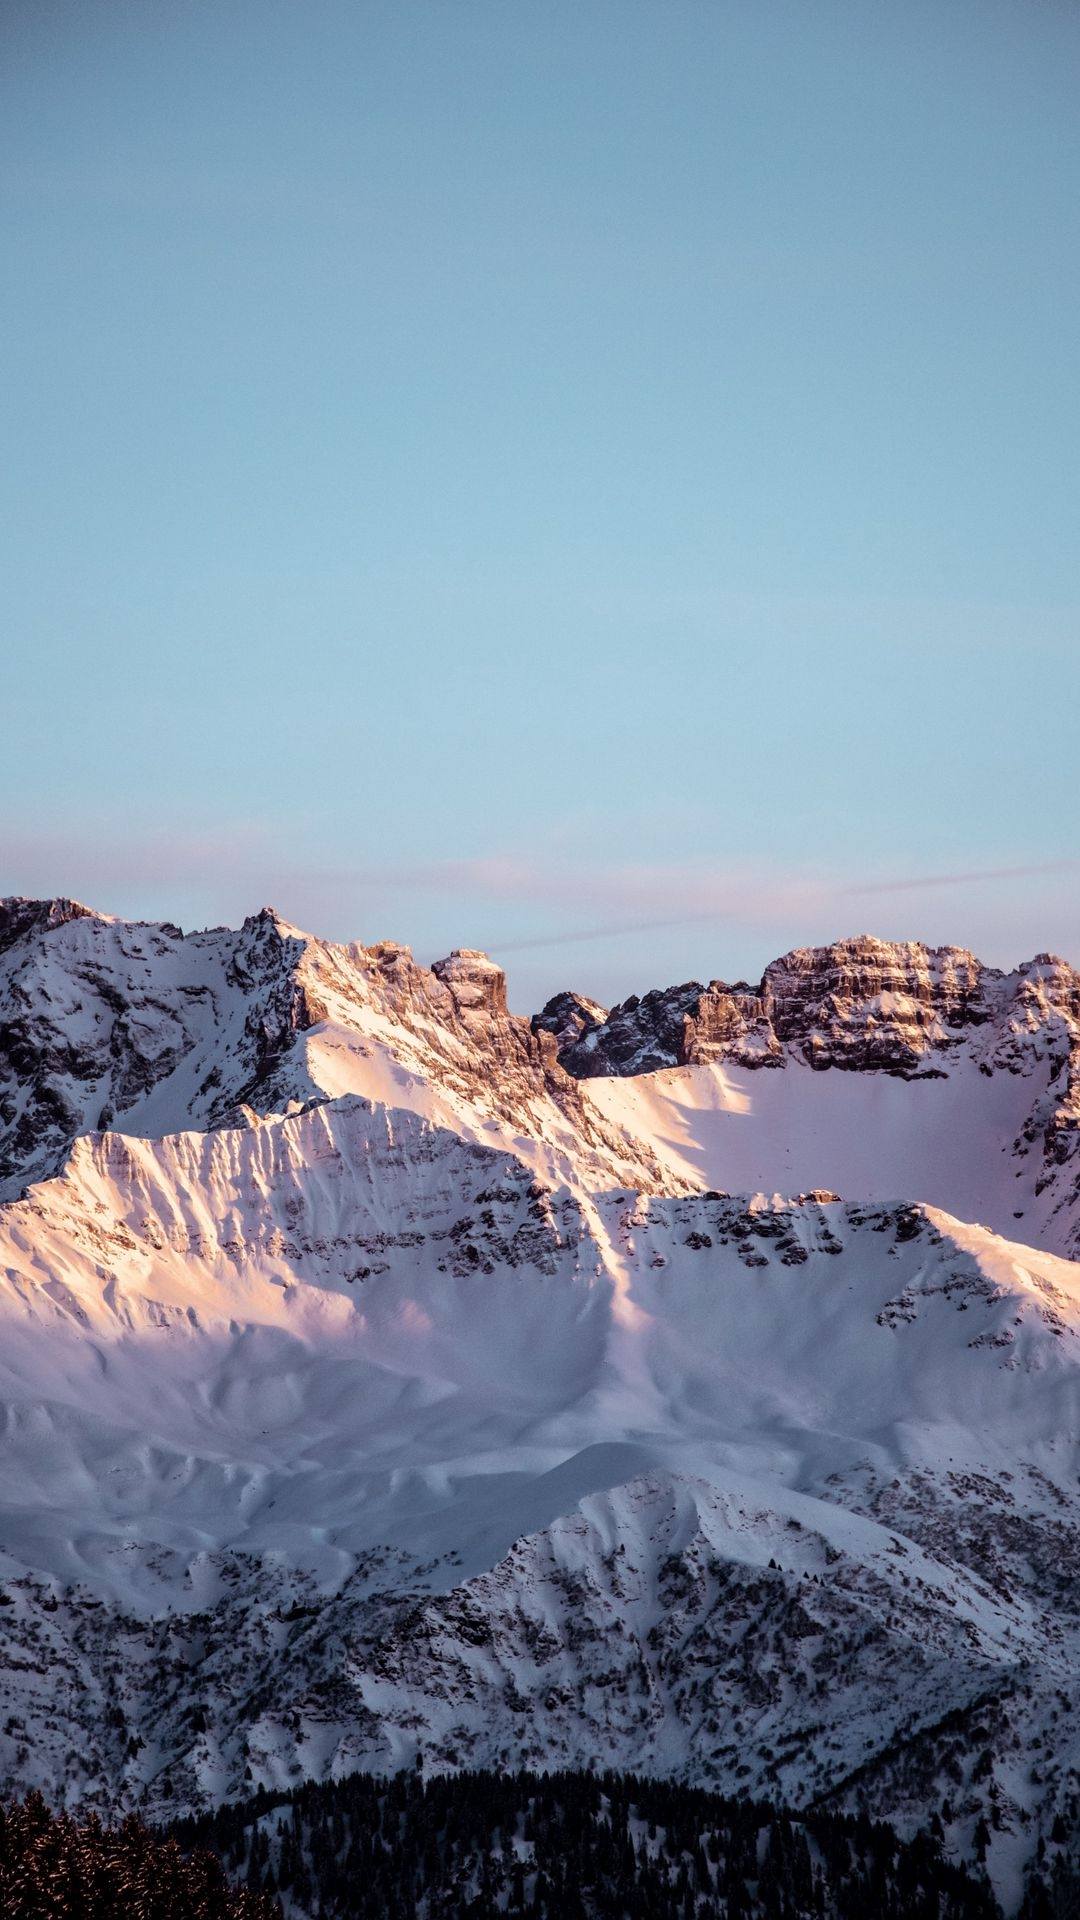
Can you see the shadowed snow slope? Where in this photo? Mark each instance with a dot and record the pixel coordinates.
(370, 1386)
(255, 1336)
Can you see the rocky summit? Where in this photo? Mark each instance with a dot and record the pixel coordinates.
(690, 1388)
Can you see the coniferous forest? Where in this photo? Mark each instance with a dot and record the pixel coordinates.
(54, 1866)
(574, 1846)
(477, 1846)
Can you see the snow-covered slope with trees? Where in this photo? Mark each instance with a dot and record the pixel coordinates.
(376, 1381)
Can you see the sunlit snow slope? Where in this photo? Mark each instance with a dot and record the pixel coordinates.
(956, 1142)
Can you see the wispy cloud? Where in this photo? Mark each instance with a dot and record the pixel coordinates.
(972, 876)
(766, 899)
(228, 870)
(607, 931)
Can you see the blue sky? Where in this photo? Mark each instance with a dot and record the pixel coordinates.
(595, 480)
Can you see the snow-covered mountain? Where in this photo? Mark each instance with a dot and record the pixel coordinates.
(694, 1387)
(108, 1024)
(921, 1028)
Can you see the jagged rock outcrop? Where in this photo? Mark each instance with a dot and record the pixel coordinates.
(106, 1022)
(863, 1004)
(569, 1017)
(672, 1026)
(477, 985)
(637, 1036)
(19, 917)
(139, 1027)
(866, 1006)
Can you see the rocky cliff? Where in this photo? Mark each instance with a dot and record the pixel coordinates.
(861, 1004)
(113, 1024)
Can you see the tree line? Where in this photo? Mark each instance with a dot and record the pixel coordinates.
(486, 1846)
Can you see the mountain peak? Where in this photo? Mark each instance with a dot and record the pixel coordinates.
(20, 916)
(477, 983)
(859, 1002)
(269, 918)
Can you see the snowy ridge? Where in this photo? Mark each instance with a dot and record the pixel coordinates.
(873, 1008)
(107, 1023)
(860, 1004)
(372, 1386)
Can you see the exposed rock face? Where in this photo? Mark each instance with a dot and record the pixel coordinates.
(106, 1023)
(871, 1003)
(98, 1016)
(868, 1006)
(20, 917)
(636, 1037)
(477, 985)
(860, 1003)
(569, 1016)
(863, 1004)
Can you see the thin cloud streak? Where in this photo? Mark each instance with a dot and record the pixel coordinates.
(974, 877)
(608, 932)
(825, 895)
(235, 867)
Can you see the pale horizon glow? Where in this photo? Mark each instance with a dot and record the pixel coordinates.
(710, 924)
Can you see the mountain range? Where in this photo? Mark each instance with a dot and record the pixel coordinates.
(690, 1388)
